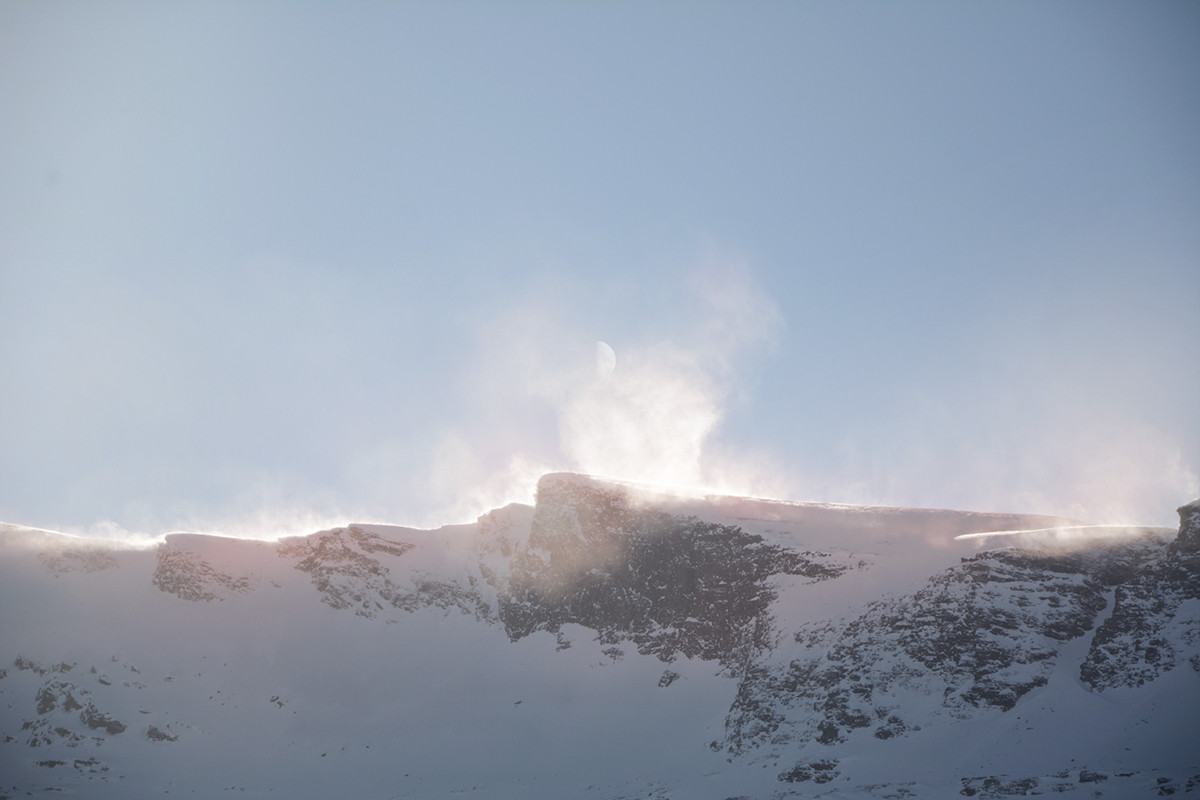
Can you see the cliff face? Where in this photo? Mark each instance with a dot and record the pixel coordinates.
(1188, 542)
(1153, 627)
(667, 584)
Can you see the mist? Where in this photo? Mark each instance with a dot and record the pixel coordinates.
(262, 271)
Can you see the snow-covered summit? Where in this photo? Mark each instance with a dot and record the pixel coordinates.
(612, 640)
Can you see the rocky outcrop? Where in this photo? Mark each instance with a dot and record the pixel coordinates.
(55, 704)
(1153, 628)
(156, 735)
(347, 568)
(979, 636)
(187, 576)
(599, 558)
(96, 719)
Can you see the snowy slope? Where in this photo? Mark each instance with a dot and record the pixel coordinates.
(612, 641)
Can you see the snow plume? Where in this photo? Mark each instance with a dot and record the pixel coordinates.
(112, 533)
(648, 422)
(269, 507)
(1069, 538)
(1136, 475)
(271, 523)
(266, 523)
(104, 535)
(1034, 450)
(465, 486)
(542, 405)
(652, 417)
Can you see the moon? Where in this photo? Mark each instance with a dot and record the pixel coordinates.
(606, 360)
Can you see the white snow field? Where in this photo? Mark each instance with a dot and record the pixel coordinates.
(613, 641)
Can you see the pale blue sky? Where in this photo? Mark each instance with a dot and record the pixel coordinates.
(261, 260)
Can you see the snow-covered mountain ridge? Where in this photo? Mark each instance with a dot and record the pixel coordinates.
(610, 641)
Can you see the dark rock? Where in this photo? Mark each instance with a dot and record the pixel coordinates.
(156, 735)
(1188, 541)
(25, 664)
(999, 786)
(670, 584)
(1134, 645)
(77, 560)
(55, 692)
(894, 727)
(46, 700)
(95, 720)
(816, 771)
(797, 774)
(184, 574)
(981, 635)
(346, 568)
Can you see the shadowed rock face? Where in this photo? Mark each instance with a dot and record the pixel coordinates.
(669, 584)
(1189, 528)
(1146, 636)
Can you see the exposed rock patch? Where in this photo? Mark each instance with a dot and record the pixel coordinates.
(997, 786)
(54, 705)
(77, 560)
(96, 719)
(815, 771)
(347, 569)
(187, 576)
(980, 635)
(1188, 541)
(156, 735)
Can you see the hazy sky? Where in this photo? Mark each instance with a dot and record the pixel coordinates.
(265, 264)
